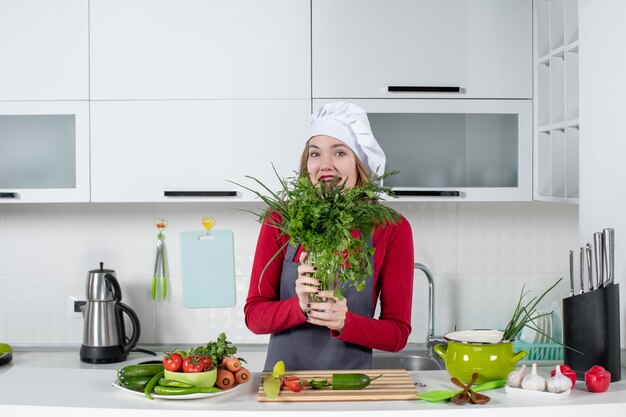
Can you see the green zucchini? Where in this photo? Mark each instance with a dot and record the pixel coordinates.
(136, 383)
(351, 381)
(131, 371)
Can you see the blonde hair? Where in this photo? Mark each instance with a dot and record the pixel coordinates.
(362, 175)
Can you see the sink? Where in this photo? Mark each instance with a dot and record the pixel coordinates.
(409, 361)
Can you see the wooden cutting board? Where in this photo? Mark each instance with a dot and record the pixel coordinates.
(395, 384)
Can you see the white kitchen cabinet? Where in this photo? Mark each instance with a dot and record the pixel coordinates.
(200, 49)
(44, 50)
(557, 101)
(454, 150)
(143, 150)
(44, 151)
(424, 48)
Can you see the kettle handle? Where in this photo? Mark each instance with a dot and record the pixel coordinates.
(134, 338)
(114, 286)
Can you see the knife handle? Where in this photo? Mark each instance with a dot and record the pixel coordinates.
(598, 247)
(571, 272)
(609, 255)
(589, 255)
(582, 270)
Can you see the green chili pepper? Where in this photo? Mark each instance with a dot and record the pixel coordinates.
(161, 390)
(151, 385)
(173, 383)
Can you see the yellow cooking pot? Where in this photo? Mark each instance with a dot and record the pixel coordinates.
(478, 351)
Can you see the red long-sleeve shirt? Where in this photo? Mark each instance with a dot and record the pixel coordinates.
(393, 284)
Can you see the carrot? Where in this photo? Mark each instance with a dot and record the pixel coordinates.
(225, 379)
(242, 376)
(231, 363)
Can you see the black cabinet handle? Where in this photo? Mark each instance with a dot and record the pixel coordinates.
(422, 89)
(424, 193)
(8, 195)
(200, 193)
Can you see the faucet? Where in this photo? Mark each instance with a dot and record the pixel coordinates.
(431, 339)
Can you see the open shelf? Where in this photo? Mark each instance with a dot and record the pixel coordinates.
(556, 101)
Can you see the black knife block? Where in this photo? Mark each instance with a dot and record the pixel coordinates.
(591, 326)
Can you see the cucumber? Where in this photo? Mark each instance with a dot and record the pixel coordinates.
(351, 381)
(131, 371)
(136, 383)
(318, 383)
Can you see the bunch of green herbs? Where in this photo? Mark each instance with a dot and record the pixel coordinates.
(525, 315)
(322, 218)
(216, 349)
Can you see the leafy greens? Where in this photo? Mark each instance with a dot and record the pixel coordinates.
(322, 218)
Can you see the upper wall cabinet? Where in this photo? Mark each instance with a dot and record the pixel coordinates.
(187, 150)
(422, 49)
(44, 151)
(44, 51)
(557, 104)
(200, 49)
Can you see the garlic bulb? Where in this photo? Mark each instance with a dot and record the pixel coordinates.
(514, 380)
(559, 382)
(534, 381)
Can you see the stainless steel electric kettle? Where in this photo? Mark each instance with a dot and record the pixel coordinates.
(104, 336)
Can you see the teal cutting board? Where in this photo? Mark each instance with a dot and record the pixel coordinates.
(208, 269)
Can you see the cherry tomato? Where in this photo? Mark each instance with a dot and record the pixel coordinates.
(597, 379)
(173, 362)
(191, 365)
(205, 361)
(293, 383)
(568, 372)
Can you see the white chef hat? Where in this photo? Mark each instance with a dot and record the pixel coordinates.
(348, 123)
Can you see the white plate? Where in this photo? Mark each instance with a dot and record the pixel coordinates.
(541, 395)
(178, 397)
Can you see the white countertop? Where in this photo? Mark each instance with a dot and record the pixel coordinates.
(59, 384)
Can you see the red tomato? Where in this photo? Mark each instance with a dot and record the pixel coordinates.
(205, 361)
(173, 362)
(191, 364)
(568, 372)
(597, 379)
(293, 383)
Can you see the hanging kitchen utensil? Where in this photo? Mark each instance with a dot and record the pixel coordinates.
(159, 280)
(609, 255)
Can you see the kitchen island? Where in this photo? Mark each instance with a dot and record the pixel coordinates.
(59, 384)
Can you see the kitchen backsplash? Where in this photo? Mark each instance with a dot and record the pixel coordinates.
(481, 254)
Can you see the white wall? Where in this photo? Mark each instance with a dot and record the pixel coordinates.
(602, 133)
(480, 254)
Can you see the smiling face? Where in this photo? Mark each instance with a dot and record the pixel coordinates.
(329, 158)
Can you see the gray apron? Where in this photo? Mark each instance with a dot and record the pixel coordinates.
(308, 346)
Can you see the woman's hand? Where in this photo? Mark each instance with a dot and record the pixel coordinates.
(305, 284)
(331, 313)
